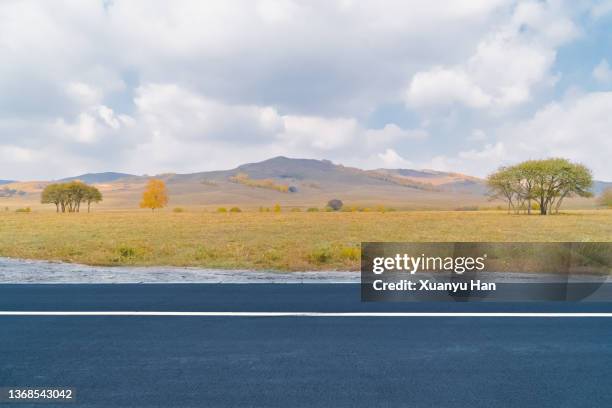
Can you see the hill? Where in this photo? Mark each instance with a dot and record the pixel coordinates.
(600, 186)
(92, 178)
(433, 180)
(309, 182)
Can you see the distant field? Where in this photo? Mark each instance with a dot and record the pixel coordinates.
(281, 241)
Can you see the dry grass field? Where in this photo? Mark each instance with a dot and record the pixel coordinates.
(277, 241)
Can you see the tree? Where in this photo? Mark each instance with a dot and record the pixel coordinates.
(155, 196)
(501, 186)
(335, 204)
(52, 194)
(525, 176)
(605, 199)
(76, 191)
(575, 180)
(548, 182)
(92, 195)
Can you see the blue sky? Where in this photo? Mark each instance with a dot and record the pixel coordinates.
(156, 86)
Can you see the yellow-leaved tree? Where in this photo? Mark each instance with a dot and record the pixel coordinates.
(155, 196)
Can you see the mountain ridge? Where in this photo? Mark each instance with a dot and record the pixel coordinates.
(103, 177)
(289, 165)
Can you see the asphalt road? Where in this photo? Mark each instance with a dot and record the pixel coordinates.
(299, 361)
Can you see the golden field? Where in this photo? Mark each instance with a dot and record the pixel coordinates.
(276, 241)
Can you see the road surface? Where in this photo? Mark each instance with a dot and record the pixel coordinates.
(296, 361)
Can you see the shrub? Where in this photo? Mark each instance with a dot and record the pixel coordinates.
(126, 252)
(320, 255)
(221, 210)
(235, 210)
(335, 204)
(203, 254)
(24, 210)
(313, 209)
(277, 208)
(467, 208)
(270, 255)
(178, 210)
(350, 253)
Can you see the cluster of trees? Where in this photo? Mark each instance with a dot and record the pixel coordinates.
(545, 183)
(243, 178)
(69, 196)
(10, 192)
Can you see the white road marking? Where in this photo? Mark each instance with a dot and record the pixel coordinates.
(305, 314)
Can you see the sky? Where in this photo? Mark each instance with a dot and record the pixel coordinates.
(152, 86)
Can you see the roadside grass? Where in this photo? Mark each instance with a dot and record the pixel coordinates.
(268, 240)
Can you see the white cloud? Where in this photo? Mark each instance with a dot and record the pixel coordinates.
(601, 9)
(507, 64)
(83, 130)
(494, 152)
(84, 94)
(602, 72)
(285, 53)
(391, 159)
(95, 124)
(108, 116)
(477, 135)
(171, 114)
(473, 162)
(184, 114)
(319, 133)
(441, 87)
(17, 154)
(578, 128)
(393, 133)
(278, 11)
